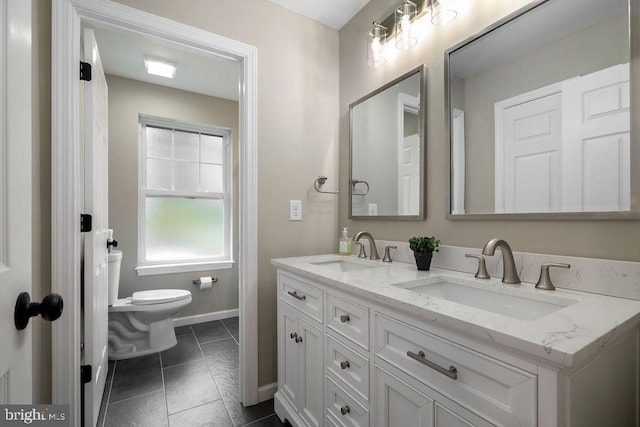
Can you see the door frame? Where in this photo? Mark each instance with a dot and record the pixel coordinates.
(67, 16)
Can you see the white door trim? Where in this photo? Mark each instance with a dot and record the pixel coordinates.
(67, 16)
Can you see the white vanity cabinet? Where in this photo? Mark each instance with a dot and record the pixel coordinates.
(498, 391)
(300, 351)
(399, 403)
(361, 361)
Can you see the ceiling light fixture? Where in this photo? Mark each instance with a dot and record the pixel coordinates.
(159, 68)
(404, 17)
(377, 39)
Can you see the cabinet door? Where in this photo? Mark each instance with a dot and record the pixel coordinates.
(446, 418)
(311, 373)
(398, 404)
(288, 378)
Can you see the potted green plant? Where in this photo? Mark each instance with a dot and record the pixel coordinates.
(423, 248)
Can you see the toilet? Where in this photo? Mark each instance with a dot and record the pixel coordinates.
(142, 323)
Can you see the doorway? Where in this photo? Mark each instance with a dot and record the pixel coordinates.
(68, 18)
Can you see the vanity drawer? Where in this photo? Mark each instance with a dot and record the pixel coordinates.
(349, 366)
(501, 393)
(343, 409)
(348, 319)
(301, 295)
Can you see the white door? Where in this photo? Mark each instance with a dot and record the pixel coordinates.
(565, 147)
(600, 180)
(95, 242)
(528, 156)
(15, 197)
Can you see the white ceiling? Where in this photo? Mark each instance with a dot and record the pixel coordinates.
(123, 54)
(332, 13)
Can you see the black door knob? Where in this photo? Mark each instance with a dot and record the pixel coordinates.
(50, 309)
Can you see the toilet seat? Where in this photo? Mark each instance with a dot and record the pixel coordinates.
(159, 296)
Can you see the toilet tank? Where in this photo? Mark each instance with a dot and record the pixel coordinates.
(115, 259)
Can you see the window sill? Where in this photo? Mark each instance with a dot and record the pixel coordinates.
(150, 270)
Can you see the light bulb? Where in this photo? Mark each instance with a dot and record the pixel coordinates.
(377, 38)
(404, 15)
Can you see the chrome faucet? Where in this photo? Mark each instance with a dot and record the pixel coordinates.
(372, 243)
(509, 273)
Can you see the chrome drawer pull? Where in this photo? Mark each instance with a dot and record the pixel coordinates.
(296, 296)
(345, 318)
(345, 364)
(452, 372)
(345, 410)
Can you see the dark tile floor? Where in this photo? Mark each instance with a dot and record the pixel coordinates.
(192, 384)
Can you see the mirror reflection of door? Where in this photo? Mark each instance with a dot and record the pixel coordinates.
(408, 155)
(565, 147)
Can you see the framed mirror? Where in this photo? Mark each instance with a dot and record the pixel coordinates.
(539, 111)
(387, 141)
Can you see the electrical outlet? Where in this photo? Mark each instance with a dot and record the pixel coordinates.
(295, 210)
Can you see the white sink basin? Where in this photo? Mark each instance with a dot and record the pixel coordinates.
(525, 307)
(342, 265)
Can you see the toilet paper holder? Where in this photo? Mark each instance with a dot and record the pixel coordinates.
(214, 279)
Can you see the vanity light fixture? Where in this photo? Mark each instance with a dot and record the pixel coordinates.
(375, 45)
(159, 68)
(400, 25)
(404, 17)
(443, 12)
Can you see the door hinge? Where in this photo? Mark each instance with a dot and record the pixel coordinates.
(85, 373)
(85, 71)
(85, 223)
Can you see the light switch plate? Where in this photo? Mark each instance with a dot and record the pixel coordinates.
(295, 210)
(373, 209)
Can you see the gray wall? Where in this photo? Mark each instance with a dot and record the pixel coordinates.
(598, 239)
(127, 99)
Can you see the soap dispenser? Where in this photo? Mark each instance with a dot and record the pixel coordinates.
(344, 244)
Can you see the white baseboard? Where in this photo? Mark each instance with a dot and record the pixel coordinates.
(206, 317)
(266, 392)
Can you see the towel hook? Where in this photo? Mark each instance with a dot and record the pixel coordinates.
(319, 182)
(353, 187)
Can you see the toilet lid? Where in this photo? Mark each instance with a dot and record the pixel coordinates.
(158, 296)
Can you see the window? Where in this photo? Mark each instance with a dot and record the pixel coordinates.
(184, 207)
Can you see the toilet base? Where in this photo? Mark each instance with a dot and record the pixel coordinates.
(127, 340)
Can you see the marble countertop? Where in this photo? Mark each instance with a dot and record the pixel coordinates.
(567, 337)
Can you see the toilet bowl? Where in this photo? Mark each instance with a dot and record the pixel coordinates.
(142, 323)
